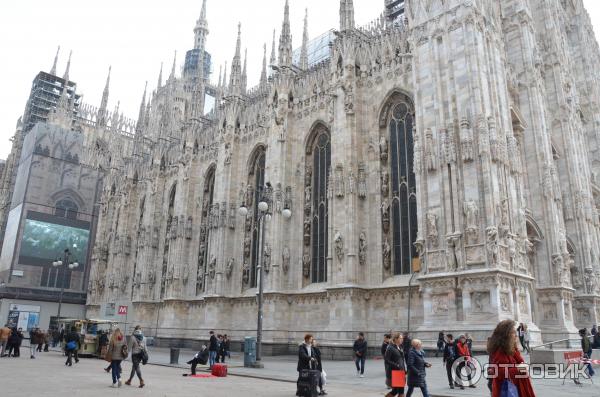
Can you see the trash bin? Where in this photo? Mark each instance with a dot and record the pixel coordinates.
(249, 351)
(174, 355)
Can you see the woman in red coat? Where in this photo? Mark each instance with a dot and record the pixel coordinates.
(502, 347)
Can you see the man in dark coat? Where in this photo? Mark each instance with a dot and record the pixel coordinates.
(416, 369)
(306, 358)
(199, 358)
(360, 354)
(72, 336)
(449, 357)
(213, 348)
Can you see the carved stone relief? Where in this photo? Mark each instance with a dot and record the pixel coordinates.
(362, 249)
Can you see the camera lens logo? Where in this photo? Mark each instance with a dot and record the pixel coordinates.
(466, 371)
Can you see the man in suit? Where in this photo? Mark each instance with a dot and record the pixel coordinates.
(306, 358)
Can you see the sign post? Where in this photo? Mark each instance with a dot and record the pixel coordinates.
(123, 312)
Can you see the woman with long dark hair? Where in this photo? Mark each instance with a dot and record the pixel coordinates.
(506, 358)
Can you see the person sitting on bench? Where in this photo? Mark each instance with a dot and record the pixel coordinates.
(199, 358)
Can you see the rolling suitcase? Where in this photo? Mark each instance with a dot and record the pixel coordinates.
(308, 383)
(219, 370)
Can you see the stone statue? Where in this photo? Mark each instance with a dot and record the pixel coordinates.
(246, 274)
(362, 249)
(492, 245)
(387, 254)
(267, 258)
(285, 259)
(383, 149)
(232, 214)
(351, 182)
(307, 231)
(339, 181)
(249, 195)
(453, 252)
(338, 242)
(229, 268)
(185, 273)
(432, 229)
(306, 265)
(278, 198)
(212, 267)
(430, 155)
(362, 181)
(307, 199)
(308, 176)
(188, 228)
(247, 242)
(385, 215)
(471, 211)
(385, 184)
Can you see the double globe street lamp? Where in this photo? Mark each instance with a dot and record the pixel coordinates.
(58, 263)
(263, 214)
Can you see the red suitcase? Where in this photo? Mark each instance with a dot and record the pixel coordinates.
(219, 370)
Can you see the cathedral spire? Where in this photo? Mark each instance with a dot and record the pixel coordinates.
(225, 77)
(235, 81)
(141, 115)
(304, 50)
(172, 75)
(273, 60)
(68, 68)
(285, 39)
(104, 102)
(245, 71)
(201, 29)
(53, 70)
(263, 74)
(346, 15)
(220, 76)
(160, 76)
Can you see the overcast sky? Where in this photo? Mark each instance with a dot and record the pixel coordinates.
(135, 36)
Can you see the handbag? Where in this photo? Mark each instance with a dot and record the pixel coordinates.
(399, 378)
(508, 389)
(72, 345)
(144, 355)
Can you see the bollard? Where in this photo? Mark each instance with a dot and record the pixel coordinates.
(174, 355)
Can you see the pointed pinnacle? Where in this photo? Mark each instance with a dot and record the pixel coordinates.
(53, 70)
(174, 64)
(160, 76)
(67, 69)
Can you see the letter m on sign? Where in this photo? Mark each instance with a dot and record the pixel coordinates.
(122, 310)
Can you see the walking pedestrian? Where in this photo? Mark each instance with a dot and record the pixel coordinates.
(72, 344)
(40, 340)
(360, 354)
(319, 367)
(520, 335)
(440, 343)
(34, 342)
(213, 348)
(5, 333)
(586, 346)
(463, 352)
(596, 341)
(15, 342)
(416, 369)
(306, 359)
(469, 343)
(117, 352)
(448, 359)
(226, 347)
(504, 354)
(47, 337)
(221, 352)
(102, 344)
(394, 359)
(406, 345)
(138, 350)
(594, 330)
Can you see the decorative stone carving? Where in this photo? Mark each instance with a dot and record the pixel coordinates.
(387, 254)
(454, 253)
(287, 200)
(278, 198)
(339, 181)
(417, 153)
(223, 215)
(383, 149)
(307, 200)
(439, 304)
(362, 248)
(249, 196)
(188, 228)
(212, 267)
(267, 258)
(351, 183)
(362, 181)
(308, 176)
(480, 301)
(232, 214)
(306, 265)
(173, 228)
(185, 273)
(246, 273)
(307, 232)
(229, 268)
(523, 306)
(385, 216)
(492, 245)
(247, 243)
(549, 311)
(448, 141)
(338, 242)
(285, 259)
(590, 281)
(330, 185)
(583, 315)
(466, 140)
(503, 211)
(430, 154)
(385, 184)
(432, 229)
(471, 211)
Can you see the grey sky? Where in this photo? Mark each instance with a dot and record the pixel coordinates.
(135, 36)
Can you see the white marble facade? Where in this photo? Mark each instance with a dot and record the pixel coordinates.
(500, 103)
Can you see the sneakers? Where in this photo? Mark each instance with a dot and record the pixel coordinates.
(114, 386)
(120, 383)
(362, 375)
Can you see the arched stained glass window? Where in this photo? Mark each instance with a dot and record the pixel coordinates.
(403, 187)
(320, 152)
(205, 228)
(257, 180)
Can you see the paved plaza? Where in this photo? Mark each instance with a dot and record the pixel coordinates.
(47, 376)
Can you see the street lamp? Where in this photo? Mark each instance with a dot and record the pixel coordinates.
(71, 265)
(263, 214)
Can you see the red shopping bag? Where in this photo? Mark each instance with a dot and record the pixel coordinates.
(398, 378)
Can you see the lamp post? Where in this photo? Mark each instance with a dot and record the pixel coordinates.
(262, 213)
(58, 263)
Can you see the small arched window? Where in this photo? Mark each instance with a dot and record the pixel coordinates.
(66, 208)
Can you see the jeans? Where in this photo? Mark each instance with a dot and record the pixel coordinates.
(469, 371)
(590, 370)
(32, 350)
(136, 359)
(449, 372)
(212, 358)
(423, 390)
(115, 365)
(360, 364)
(4, 343)
(72, 353)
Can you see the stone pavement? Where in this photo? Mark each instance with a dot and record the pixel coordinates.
(47, 375)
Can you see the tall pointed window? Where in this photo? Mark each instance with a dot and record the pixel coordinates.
(257, 181)
(318, 165)
(205, 228)
(170, 220)
(403, 187)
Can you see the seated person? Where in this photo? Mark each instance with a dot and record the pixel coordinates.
(199, 358)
